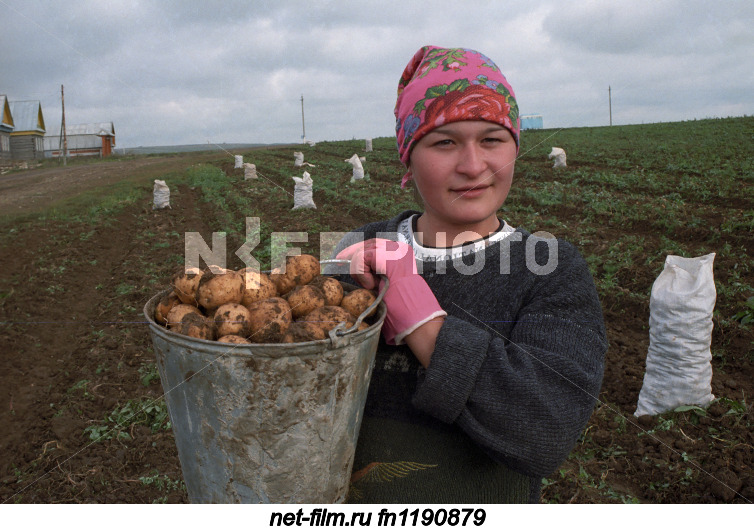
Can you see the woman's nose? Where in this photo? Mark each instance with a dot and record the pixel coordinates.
(471, 161)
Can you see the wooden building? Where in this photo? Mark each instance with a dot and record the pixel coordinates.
(6, 127)
(27, 138)
(94, 139)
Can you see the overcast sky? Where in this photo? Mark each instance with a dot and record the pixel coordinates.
(180, 72)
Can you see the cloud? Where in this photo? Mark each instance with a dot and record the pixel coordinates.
(188, 72)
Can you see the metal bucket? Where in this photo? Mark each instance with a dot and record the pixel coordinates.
(266, 423)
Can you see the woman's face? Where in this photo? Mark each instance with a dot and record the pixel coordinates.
(463, 171)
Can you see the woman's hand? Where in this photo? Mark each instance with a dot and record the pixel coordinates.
(379, 256)
(409, 300)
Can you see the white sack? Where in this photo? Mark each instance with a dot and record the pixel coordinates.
(161, 195)
(302, 193)
(679, 368)
(368, 146)
(239, 162)
(358, 169)
(310, 142)
(560, 157)
(298, 160)
(249, 171)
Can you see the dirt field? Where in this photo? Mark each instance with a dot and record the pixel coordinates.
(75, 347)
(33, 190)
(74, 334)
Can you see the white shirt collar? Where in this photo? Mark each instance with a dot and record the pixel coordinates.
(406, 234)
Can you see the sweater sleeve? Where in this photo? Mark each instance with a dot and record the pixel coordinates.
(525, 397)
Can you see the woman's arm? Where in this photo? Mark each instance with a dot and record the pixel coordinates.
(525, 396)
(422, 340)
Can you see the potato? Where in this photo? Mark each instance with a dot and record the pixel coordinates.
(234, 340)
(232, 319)
(304, 299)
(302, 268)
(216, 290)
(331, 287)
(357, 301)
(185, 284)
(168, 301)
(303, 331)
(217, 270)
(328, 317)
(299, 270)
(198, 326)
(283, 282)
(257, 286)
(269, 319)
(176, 314)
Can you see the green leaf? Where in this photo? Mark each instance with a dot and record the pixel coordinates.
(458, 85)
(746, 316)
(684, 408)
(436, 91)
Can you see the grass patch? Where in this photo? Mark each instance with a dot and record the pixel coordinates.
(143, 411)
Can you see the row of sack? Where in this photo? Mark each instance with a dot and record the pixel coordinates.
(356, 161)
(303, 190)
(304, 186)
(250, 170)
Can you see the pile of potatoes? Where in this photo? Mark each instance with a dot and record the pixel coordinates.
(246, 306)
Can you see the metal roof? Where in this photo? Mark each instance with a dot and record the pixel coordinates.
(90, 129)
(27, 116)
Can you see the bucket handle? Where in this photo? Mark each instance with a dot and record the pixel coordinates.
(340, 330)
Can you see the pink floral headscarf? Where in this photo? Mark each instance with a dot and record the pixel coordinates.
(444, 85)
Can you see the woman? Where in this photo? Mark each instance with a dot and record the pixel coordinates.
(494, 341)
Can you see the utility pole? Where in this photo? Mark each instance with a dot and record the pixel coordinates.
(610, 102)
(303, 124)
(62, 128)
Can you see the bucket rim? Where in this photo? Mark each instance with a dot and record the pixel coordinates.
(308, 348)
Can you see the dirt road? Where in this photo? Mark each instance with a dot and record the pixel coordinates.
(32, 190)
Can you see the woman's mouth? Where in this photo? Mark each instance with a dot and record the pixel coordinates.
(470, 192)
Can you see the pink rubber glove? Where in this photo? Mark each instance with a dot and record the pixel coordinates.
(409, 300)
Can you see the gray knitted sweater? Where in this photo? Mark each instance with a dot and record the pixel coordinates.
(513, 379)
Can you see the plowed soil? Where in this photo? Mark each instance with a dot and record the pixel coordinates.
(75, 348)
